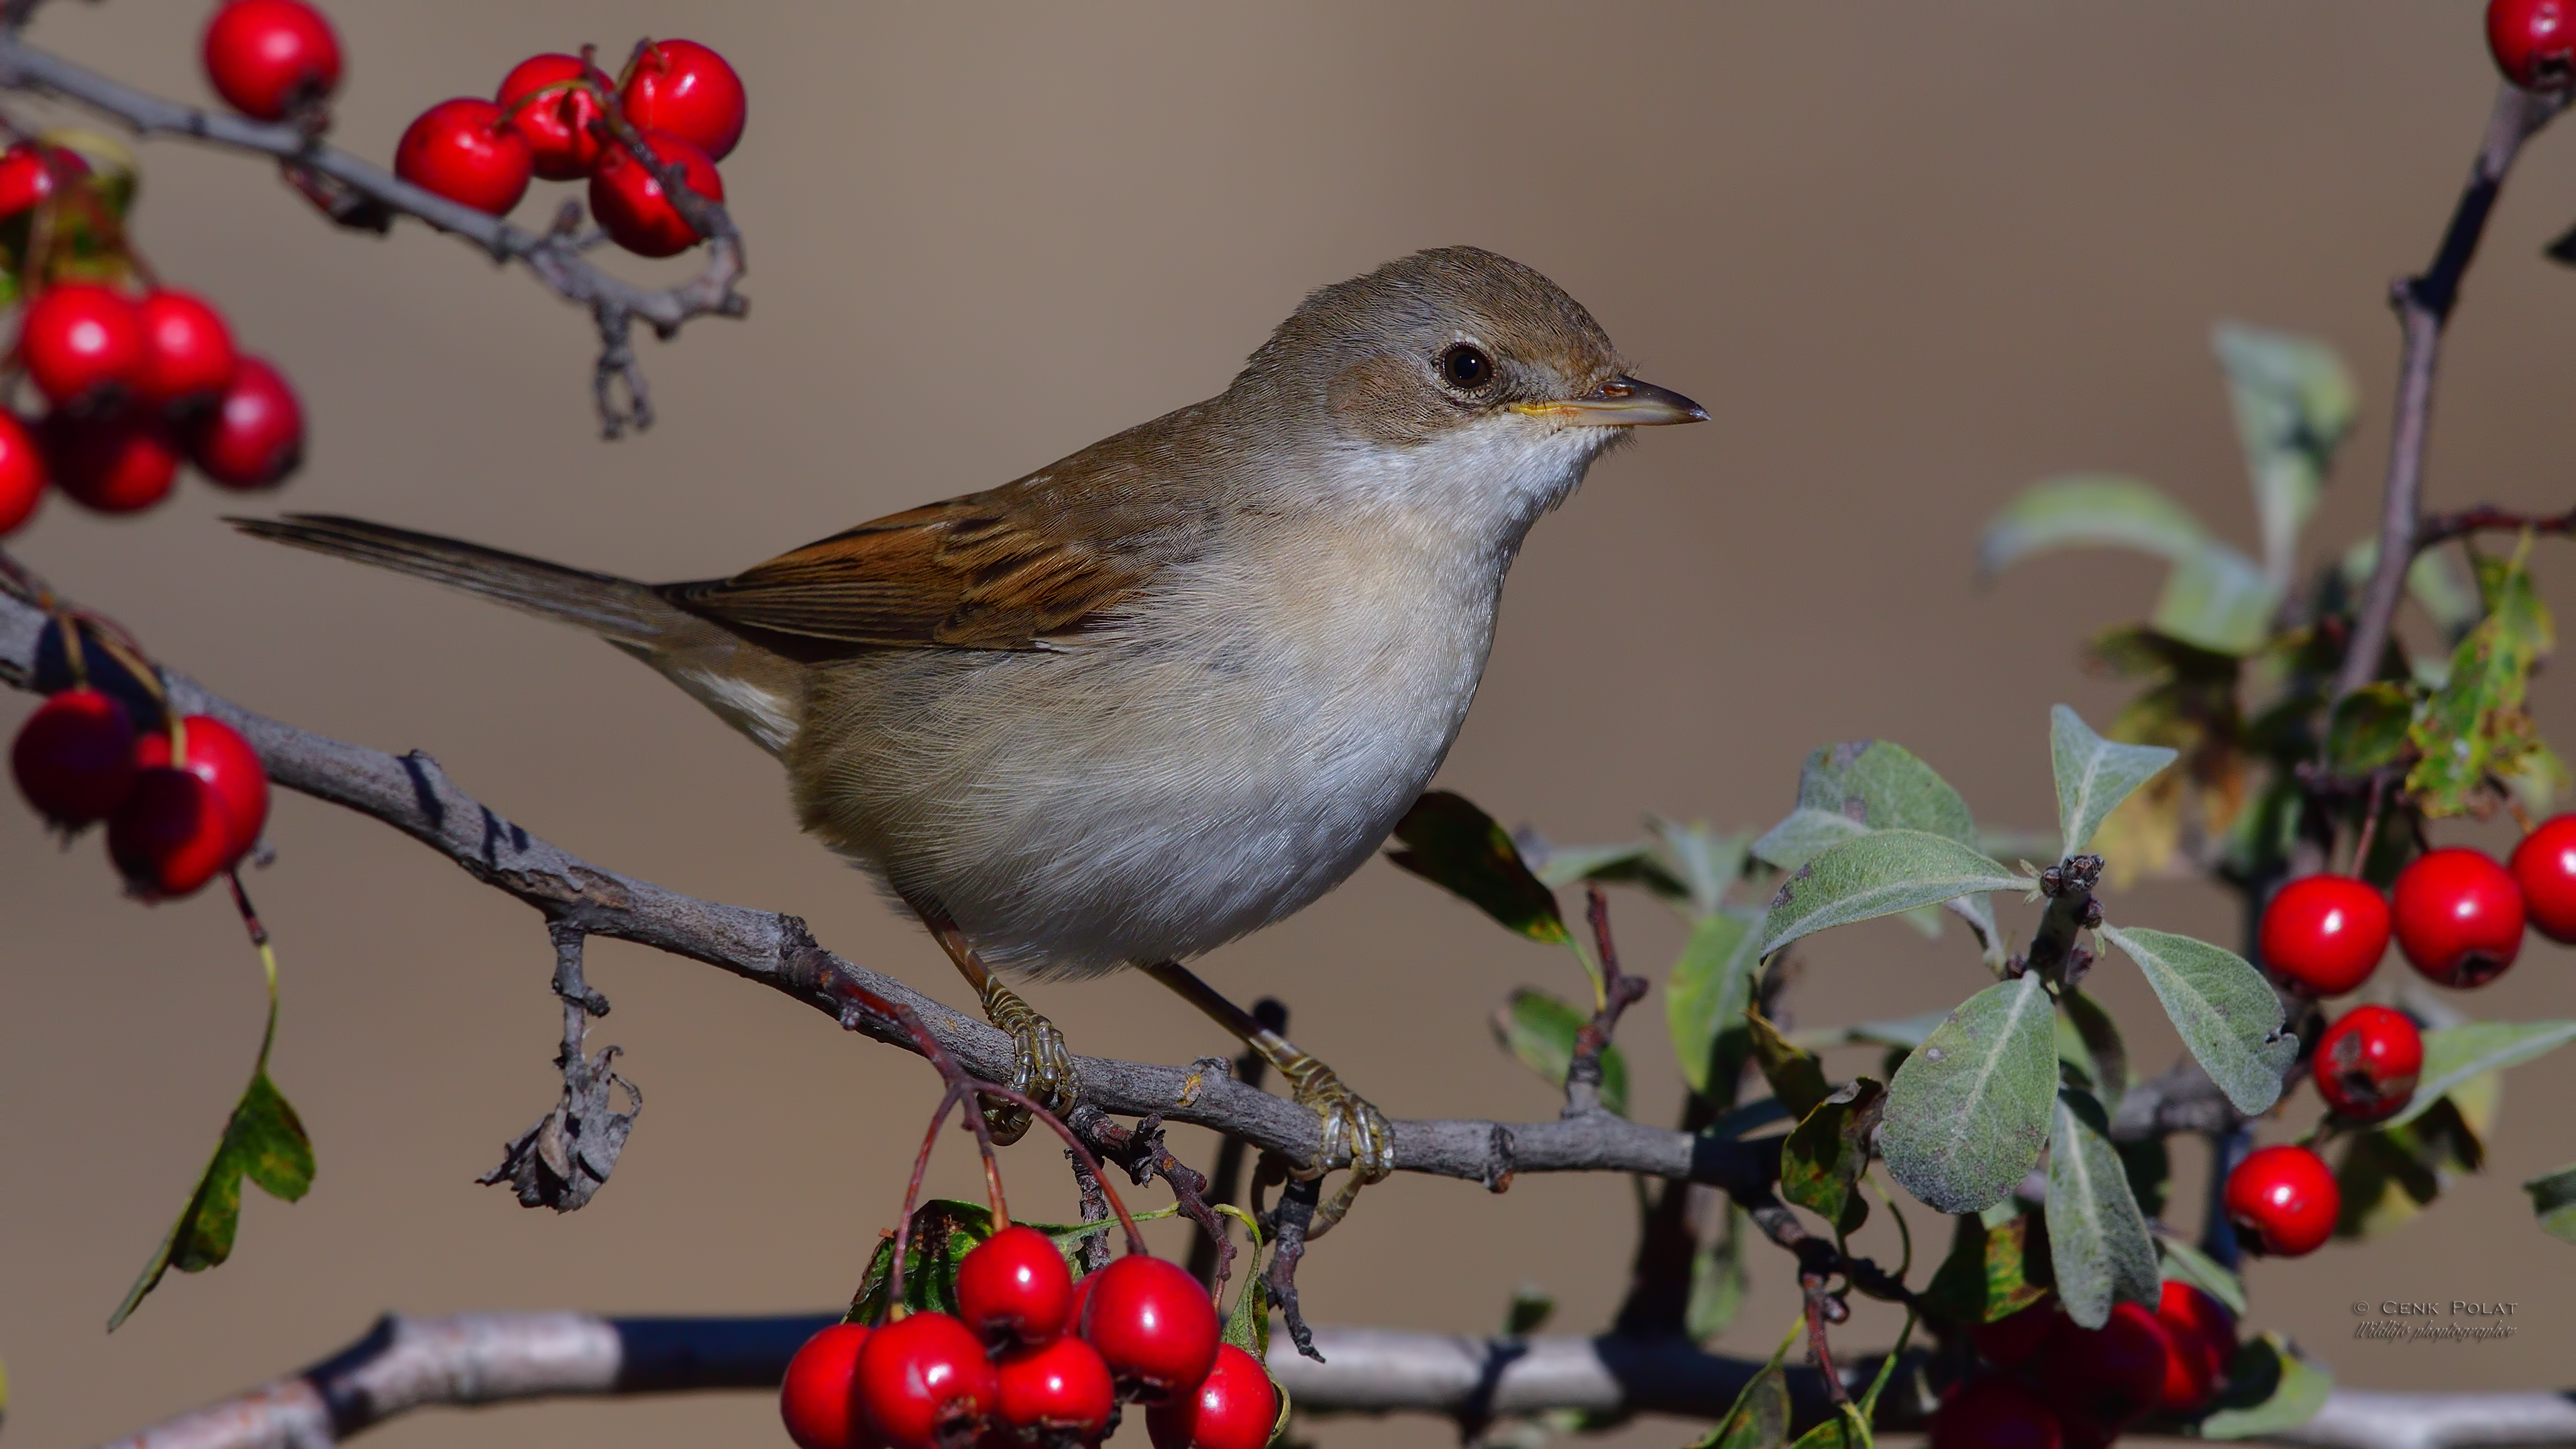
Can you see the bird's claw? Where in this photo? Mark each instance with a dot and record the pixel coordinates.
(1354, 1132)
(1041, 1065)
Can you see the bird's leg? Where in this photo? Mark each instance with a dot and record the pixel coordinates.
(1041, 1065)
(1352, 1128)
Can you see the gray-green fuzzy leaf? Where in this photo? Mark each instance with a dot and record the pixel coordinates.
(2090, 510)
(1968, 1112)
(2294, 402)
(2097, 1238)
(1878, 875)
(2454, 1054)
(1859, 786)
(2219, 600)
(2224, 1010)
(2094, 775)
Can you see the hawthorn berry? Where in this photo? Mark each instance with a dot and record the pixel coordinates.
(74, 757)
(188, 353)
(255, 437)
(228, 765)
(119, 464)
(1234, 1407)
(1014, 1287)
(464, 150)
(924, 1382)
(2203, 1333)
(22, 473)
(688, 90)
(550, 106)
(170, 836)
(2544, 866)
(2107, 1375)
(1153, 1323)
(2533, 41)
(25, 178)
(268, 57)
(2283, 1199)
(628, 201)
(2367, 1063)
(2459, 916)
(1057, 1391)
(2010, 1341)
(1991, 1412)
(818, 1399)
(83, 345)
(2324, 934)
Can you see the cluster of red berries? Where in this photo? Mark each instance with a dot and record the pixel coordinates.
(1032, 1358)
(184, 798)
(2456, 914)
(137, 384)
(2534, 42)
(2048, 1384)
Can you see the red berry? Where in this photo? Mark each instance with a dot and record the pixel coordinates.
(83, 344)
(1987, 1412)
(256, 437)
(464, 151)
(2367, 1063)
(74, 757)
(187, 350)
(2284, 1200)
(556, 123)
(171, 835)
(25, 179)
(682, 87)
(2324, 934)
(1014, 1287)
(2544, 865)
(1154, 1324)
(2534, 42)
(818, 1399)
(2204, 1340)
(119, 464)
(2008, 1342)
(22, 474)
(2459, 917)
(2108, 1375)
(1236, 1406)
(1059, 1390)
(627, 197)
(266, 57)
(924, 1382)
(228, 765)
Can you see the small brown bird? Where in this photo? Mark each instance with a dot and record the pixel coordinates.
(1167, 690)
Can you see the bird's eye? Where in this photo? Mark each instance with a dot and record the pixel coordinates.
(1466, 367)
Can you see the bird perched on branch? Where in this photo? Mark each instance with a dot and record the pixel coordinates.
(1167, 690)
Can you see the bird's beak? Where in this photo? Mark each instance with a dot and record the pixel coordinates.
(1622, 402)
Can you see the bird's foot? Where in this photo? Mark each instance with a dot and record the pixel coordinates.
(1353, 1130)
(1041, 1065)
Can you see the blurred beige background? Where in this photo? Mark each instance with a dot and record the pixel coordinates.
(1912, 257)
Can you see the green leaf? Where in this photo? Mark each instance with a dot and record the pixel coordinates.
(1530, 1309)
(1907, 1033)
(2094, 775)
(1719, 1281)
(2224, 1010)
(1631, 864)
(1759, 1418)
(2269, 1389)
(2090, 510)
(1968, 1112)
(2455, 1054)
(1247, 1325)
(2097, 1238)
(2553, 1200)
(1824, 1156)
(1705, 862)
(2218, 600)
(2105, 1057)
(1857, 787)
(2294, 402)
(2476, 725)
(944, 1231)
(2369, 728)
(2387, 1176)
(264, 1141)
(1796, 1077)
(1878, 875)
(1988, 1274)
(1454, 845)
(1705, 997)
(1539, 1029)
(2433, 581)
(2188, 1264)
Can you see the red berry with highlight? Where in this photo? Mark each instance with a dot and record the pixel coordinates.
(120, 464)
(2324, 934)
(628, 201)
(188, 355)
(254, 437)
(1014, 1287)
(1154, 1324)
(2544, 866)
(228, 765)
(1235, 1407)
(2367, 1063)
(22, 474)
(266, 57)
(2203, 1333)
(2010, 1341)
(1056, 1391)
(2459, 917)
(819, 1398)
(170, 836)
(1988, 1412)
(463, 150)
(2533, 41)
(2284, 1201)
(83, 345)
(688, 90)
(25, 179)
(74, 757)
(554, 113)
(925, 1383)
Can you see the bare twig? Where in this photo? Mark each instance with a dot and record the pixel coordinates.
(1618, 993)
(2443, 527)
